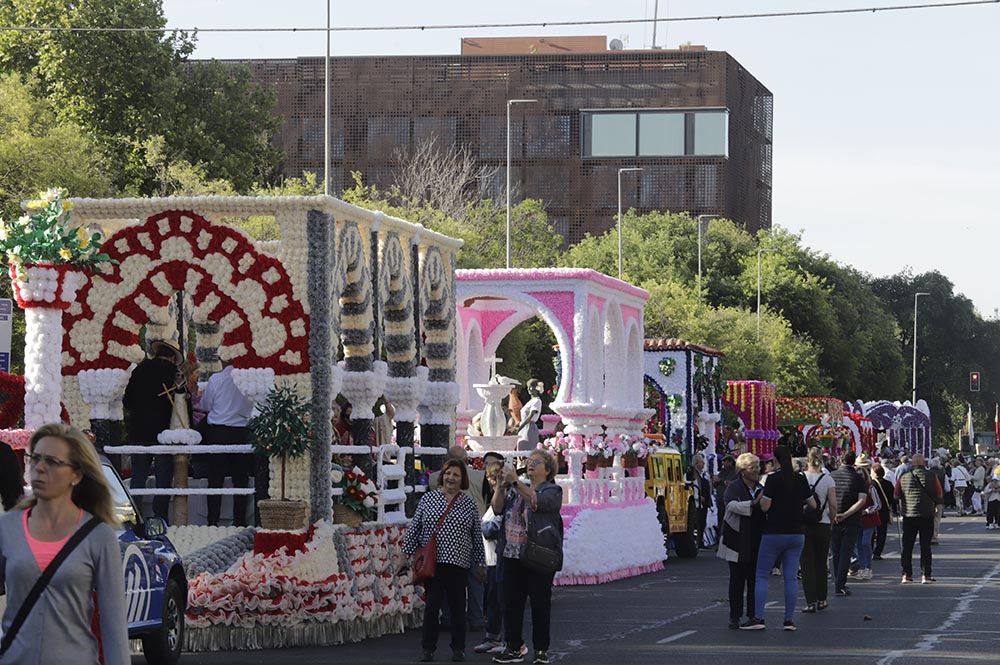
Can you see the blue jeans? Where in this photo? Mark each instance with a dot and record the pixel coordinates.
(865, 548)
(786, 547)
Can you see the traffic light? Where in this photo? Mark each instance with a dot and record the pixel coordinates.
(974, 382)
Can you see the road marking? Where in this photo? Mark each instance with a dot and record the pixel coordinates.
(889, 554)
(771, 603)
(678, 636)
(962, 607)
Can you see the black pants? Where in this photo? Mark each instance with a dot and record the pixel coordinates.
(448, 581)
(813, 562)
(843, 539)
(235, 466)
(742, 577)
(912, 526)
(993, 512)
(519, 585)
(493, 606)
(163, 470)
(880, 533)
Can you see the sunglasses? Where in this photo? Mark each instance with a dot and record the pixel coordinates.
(50, 462)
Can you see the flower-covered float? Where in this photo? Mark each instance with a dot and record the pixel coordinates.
(687, 385)
(754, 404)
(906, 426)
(611, 527)
(341, 282)
(820, 419)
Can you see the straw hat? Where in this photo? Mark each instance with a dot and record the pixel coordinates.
(157, 345)
(863, 460)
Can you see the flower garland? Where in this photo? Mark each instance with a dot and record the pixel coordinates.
(18, 439)
(254, 382)
(179, 437)
(598, 445)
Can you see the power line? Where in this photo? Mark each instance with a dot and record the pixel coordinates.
(526, 24)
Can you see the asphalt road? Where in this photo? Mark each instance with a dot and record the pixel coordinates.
(679, 616)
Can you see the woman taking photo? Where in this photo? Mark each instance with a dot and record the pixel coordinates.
(816, 547)
(453, 517)
(785, 493)
(530, 513)
(740, 538)
(68, 490)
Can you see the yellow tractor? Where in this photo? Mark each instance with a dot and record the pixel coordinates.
(674, 497)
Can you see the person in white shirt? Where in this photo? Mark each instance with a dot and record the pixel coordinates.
(978, 480)
(226, 423)
(960, 479)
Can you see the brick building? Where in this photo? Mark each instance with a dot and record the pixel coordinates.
(696, 121)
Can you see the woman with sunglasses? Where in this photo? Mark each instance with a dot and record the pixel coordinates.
(68, 488)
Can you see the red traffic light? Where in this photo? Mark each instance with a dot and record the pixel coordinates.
(974, 382)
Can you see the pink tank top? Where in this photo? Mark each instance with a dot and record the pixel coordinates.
(43, 550)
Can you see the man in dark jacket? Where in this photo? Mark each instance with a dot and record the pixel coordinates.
(918, 492)
(148, 403)
(851, 497)
(11, 477)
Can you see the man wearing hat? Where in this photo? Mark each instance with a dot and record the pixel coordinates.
(148, 403)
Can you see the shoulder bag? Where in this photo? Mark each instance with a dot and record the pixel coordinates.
(538, 557)
(923, 487)
(43, 581)
(425, 558)
(814, 515)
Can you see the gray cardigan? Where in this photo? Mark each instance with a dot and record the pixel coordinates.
(58, 629)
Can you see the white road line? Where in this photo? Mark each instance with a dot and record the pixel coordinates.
(678, 636)
(771, 603)
(962, 607)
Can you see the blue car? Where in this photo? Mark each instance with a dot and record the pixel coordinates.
(155, 584)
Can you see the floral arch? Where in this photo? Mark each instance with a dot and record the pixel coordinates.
(593, 317)
(230, 283)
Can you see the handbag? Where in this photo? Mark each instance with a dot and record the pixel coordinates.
(870, 520)
(538, 557)
(43, 581)
(425, 558)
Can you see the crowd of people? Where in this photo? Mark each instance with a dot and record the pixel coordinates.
(820, 519)
(495, 537)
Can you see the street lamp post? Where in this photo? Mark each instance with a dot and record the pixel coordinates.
(620, 172)
(916, 297)
(326, 107)
(511, 102)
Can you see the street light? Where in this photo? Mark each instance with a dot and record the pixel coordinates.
(760, 251)
(916, 297)
(326, 107)
(707, 218)
(620, 172)
(511, 102)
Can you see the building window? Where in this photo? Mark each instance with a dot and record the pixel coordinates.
(711, 133)
(609, 134)
(659, 133)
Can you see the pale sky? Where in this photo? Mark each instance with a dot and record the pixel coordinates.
(886, 149)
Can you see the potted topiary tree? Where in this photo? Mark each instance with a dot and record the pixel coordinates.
(281, 430)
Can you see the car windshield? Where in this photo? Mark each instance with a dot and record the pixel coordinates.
(123, 503)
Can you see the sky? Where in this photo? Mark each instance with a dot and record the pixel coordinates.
(886, 144)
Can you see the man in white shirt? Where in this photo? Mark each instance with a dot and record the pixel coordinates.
(226, 423)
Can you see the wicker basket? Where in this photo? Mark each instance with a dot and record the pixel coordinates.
(284, 515)
(345, 515)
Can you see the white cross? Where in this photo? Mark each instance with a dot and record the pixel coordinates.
(494, 361)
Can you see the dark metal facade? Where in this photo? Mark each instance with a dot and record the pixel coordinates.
(384, 103)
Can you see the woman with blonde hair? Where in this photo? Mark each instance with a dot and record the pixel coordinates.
(817, 527)
(740, 537)
(63, 533)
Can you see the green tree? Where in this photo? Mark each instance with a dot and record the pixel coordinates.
(125, 88)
